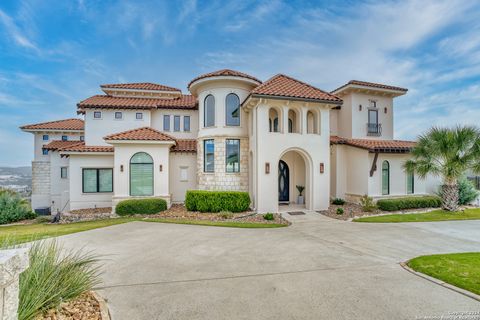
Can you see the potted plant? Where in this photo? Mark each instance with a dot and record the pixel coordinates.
(300, 198)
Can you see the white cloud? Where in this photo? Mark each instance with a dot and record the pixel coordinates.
(15, 33)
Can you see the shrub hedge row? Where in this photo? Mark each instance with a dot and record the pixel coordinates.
(216, 201)
(13, 208)
(409, 203)
(140, 206)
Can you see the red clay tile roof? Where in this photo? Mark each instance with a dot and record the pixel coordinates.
(110, 102)
(285, 86)
(185, 145)
(371, 84)
(83, 148)
(139, 86)
(375, 145)
(145, 133)
(60, 144)
(67, 124)
(224, 73)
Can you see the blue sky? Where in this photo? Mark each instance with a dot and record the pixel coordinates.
(54, 54)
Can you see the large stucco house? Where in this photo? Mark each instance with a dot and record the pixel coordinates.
(232, 132)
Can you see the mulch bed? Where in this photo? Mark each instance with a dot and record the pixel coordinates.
(351, 210)
(85, 307)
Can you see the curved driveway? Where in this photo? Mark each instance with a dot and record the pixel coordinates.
(318, 268)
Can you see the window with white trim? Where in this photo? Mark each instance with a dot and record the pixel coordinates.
(64, 172)
(166, 122)
(97, 114)
(176, 123)
(118, 115)
(97, 180)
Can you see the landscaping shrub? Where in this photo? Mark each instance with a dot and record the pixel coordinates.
(13, 207)
(340, 211)
(216, 201)
(367, 203)
(338, 201)
(53, 277)
(226, 215)
(140, 206)
(466, 191)
(409, 203)
(268, 216)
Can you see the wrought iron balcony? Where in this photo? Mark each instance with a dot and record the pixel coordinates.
(374, 129)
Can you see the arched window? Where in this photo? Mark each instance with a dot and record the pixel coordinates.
(209, 111)
(312, 122)
(232, 110)
(292, 121)
(273, 120)
(385, 178)
(141, 174)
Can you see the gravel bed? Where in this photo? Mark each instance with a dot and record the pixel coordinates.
(85, 307)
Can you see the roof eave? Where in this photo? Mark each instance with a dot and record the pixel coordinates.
(266, 96)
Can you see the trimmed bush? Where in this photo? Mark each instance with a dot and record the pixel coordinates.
(409, 203)
(338, 201)
(13, 207)
(367, 203)
(340, 211)
(268, 216)
(216, 201)
(140, 206)
(466, 191)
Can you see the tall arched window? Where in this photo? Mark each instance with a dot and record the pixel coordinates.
(273, 120)
(312, 122)
(232, 110)
(141, 174)
(292, 121)
(209, 111)
(385, 177)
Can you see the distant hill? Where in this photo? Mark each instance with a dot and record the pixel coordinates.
(16, 177)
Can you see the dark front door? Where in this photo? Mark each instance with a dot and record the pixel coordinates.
(283, 181)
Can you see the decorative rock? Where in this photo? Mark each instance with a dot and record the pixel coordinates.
(12, 264)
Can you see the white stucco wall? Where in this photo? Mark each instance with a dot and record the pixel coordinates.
(96, 129)
(78, 199)
(178, 186)
(38, 141)
(59, 186)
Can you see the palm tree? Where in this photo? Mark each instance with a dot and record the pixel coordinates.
(446, 153)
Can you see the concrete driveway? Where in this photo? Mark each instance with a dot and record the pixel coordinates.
(318, 268)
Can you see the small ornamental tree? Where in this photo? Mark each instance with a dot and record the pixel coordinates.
(446, 153)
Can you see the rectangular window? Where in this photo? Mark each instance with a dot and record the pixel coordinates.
(97, 115)
(373, 116)
(82, 138)
(139, 116)
(209, 155)
(232, 153)
(186, 123)
(44, 152)
(176, 123)
(410, 183)
(45, 137)
(63, 173)
(183, 173)
(64, 138)
(166, 123)
(97, 180)
(118, 115)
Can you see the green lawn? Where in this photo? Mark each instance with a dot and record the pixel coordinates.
(459, 269)
(25, 233)
(437, 215)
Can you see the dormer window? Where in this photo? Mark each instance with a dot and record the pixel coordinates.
(118, 115)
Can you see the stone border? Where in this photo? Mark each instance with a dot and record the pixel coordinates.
(104, 312)
(440, 282)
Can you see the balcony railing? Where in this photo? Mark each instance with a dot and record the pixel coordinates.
(374, 129)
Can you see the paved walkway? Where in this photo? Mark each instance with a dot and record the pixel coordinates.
(318, 268)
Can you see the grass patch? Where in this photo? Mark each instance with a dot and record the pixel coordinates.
(436, 215)
(230, 224)
(459, 269)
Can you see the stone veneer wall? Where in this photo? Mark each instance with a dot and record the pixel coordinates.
(40, 177)
(221, 180)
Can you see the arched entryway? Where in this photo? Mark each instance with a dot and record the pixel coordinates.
(293, 175)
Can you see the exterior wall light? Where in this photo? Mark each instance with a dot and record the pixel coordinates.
(322, 167)
(267, 167)
(161, 168)
(359, 107)
(385, 109)
(121, 168)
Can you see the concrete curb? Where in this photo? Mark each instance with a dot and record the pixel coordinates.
(440, 282)
(104, 313)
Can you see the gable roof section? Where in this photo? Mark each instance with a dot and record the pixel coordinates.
(60, 144)
(139, 86)
(370, 84)
(382, 146)
(281, 85)
(224, 73)
(187, 102)
(185, 145)
(72, 124)
(141, 134)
